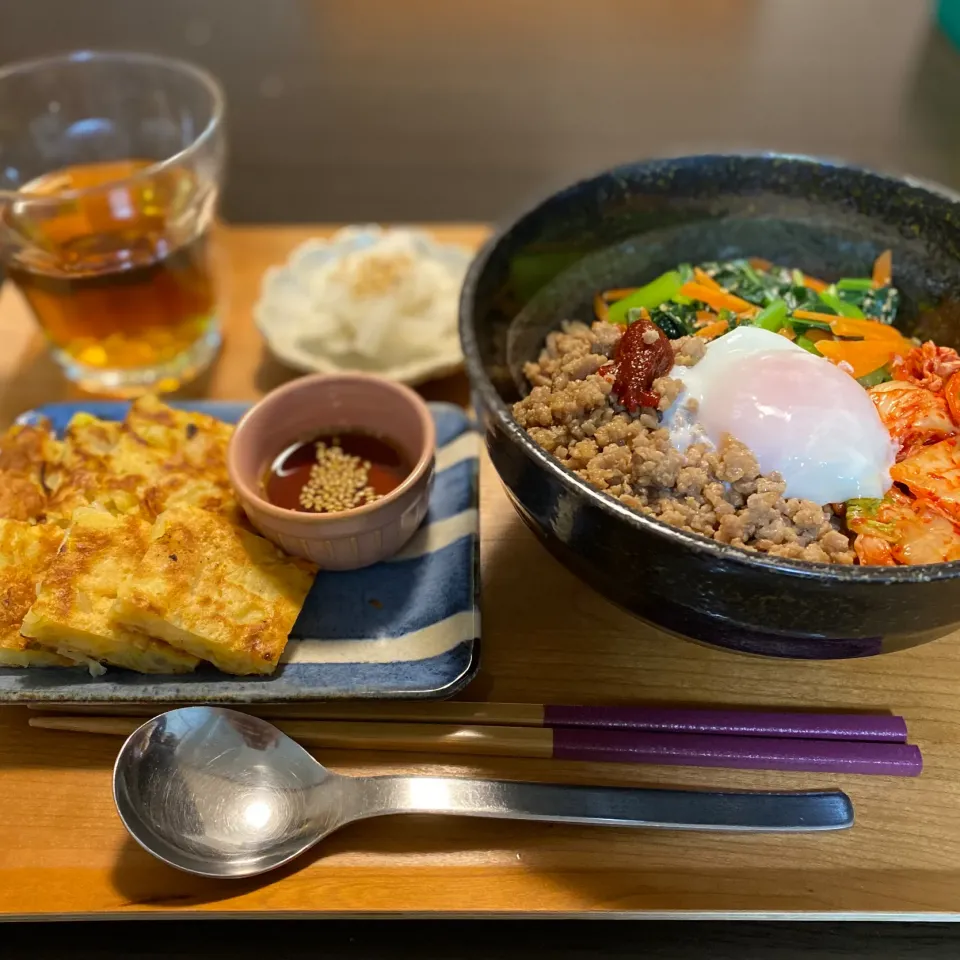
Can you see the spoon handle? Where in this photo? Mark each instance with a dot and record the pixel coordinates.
(609, 806)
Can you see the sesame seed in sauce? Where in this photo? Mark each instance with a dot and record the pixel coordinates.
(333, 473)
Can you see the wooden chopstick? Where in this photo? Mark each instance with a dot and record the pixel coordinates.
(336, 735)
(500, 714)
(652, 719)
(564, 743)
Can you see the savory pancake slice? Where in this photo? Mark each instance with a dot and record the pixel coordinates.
(182, 456)
(182, 489)
(165, 427)
(217, 591)
(25, 452)
(83, 475)
(156, 457)
(72, 612)
(26, 551)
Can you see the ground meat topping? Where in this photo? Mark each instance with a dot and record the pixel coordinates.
(573, 412)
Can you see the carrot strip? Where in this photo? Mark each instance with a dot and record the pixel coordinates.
(706, 316)
(788, 332)
(814, 284)
(611, 296)
(870, 330)
(758, 263)
(952, 393)
(601, 308)
(814, 315)
(867, 329)
(712, 330)
(719, 301)
(883, 269)
(704, 279)
(863, 356)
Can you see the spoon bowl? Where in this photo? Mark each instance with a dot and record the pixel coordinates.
(222, 794)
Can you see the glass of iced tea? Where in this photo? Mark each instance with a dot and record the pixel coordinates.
(110, 167)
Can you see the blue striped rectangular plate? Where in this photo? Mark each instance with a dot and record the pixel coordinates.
(406, 628)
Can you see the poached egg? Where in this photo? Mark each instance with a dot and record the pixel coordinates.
(801, 415)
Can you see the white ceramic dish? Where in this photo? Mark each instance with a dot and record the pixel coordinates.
(296, 331)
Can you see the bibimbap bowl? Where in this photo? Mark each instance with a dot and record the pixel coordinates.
(622, 229)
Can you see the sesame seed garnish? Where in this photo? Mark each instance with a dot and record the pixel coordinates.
(338, 481)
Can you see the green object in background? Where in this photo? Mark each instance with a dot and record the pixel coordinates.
(772, 317)
(948, 16)
(855, 283)
(840, 307)
(801, 325)
(531, 270)
(807, 345)
(880, 375)
(652, 295)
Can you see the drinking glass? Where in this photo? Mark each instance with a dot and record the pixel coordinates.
(110, 169)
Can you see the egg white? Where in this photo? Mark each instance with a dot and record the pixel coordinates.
(801, 415)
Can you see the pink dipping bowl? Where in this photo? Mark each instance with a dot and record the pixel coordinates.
(316, 404)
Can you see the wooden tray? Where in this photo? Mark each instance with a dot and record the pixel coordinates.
(547, 638)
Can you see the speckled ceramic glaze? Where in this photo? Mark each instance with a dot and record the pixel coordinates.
(625, 227)
(324, 403)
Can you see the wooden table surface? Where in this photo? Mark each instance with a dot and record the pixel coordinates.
(546, 638)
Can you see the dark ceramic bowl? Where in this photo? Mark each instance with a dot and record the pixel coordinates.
(625, 227)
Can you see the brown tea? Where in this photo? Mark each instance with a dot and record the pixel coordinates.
(119, 278)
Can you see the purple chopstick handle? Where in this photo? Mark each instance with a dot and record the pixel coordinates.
(808, 726)
(742, 753)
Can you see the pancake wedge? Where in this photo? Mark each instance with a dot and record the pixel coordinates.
(215, 591)
(72, 612)
(83, 475)
(26, 551)
(156, 457)
(182, 454)
(25, 452)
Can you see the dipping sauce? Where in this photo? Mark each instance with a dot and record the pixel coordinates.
(334, 472)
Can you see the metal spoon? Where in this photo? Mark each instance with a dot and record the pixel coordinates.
(223, 794)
